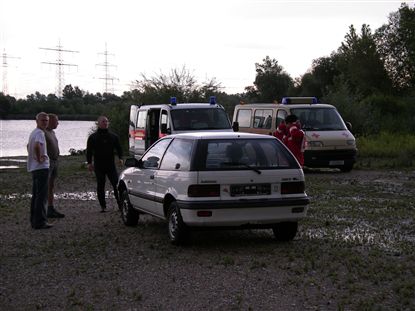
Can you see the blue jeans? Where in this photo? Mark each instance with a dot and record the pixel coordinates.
(38, 204)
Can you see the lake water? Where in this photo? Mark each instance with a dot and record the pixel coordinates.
(14, 135)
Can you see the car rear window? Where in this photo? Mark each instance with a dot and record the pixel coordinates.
(243, 154)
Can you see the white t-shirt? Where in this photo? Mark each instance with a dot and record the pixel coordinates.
(37, 135)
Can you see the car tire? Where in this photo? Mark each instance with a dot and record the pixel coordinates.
(177, 230)
(129, 215)
(285, 231)
(346, 168)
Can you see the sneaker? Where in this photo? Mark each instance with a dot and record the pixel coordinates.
(55, 214)
(103, 209)
(44, 226)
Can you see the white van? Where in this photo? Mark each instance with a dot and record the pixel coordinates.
(148, 123)
(329, 142)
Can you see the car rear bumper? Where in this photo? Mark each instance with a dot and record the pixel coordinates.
(243, 212)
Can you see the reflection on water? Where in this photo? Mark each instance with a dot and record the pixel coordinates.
(14, 135)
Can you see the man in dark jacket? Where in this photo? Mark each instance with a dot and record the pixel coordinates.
(100, 158)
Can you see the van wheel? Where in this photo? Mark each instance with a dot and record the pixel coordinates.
(176, 228)
(346, 168)
(129, 215)
(285, 231)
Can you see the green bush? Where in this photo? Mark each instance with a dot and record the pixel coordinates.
(386, 150)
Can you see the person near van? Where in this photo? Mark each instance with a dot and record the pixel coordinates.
(101, 146)
(38, 166)
(53, 154)
(291, 134)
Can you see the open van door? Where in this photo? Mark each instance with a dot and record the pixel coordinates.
(131, 128)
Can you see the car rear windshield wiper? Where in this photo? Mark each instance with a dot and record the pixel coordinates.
(241, 164)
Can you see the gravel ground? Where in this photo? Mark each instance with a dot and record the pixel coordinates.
(91, 261)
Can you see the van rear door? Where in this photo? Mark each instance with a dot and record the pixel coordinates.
(131, 128)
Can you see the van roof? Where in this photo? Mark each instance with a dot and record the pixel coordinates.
(183, 106)
(273, 105)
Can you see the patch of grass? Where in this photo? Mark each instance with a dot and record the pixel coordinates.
(386, 150)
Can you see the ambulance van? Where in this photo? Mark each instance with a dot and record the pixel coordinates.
(148, 123)
(328, 140)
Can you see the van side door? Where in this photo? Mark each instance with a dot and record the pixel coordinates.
(165, 127)
(152, 126)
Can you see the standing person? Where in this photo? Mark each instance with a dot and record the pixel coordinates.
(100, 158)
(294, 137)
(38, 166)
(53, 154)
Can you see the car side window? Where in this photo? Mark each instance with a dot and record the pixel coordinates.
(151, 159)
(178, 156)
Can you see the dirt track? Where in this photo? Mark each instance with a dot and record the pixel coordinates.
(354, 251)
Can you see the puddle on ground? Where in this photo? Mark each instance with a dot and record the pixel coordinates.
(13, 160)
(5, 167)
(82, 196)
(385, 239)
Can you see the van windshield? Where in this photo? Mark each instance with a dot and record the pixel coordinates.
(197, 119)
(319, 119)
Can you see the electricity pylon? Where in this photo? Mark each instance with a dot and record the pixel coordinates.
(59, 63)
(106, 66)
(5, 66)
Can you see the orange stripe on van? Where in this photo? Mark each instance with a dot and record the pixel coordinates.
(138, 134)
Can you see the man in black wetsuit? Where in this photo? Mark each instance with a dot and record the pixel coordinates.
(100, 158)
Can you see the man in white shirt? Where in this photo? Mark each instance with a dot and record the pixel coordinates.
(38, 165)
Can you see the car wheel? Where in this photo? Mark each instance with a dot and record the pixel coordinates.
(128, 214)
(285, 231)
(346, 168)
(176, 228)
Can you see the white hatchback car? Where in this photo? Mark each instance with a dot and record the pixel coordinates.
(215, 179)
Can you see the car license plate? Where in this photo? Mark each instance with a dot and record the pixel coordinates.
(256, 189)
(336, 162)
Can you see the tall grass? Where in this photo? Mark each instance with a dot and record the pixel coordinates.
(387, 150)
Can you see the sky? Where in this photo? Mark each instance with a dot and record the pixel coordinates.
(212, 39)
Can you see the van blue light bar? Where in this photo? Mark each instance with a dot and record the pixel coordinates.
(299, 100)
(212, 100)
(173, 101)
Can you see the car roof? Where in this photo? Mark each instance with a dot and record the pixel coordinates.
(221, 135)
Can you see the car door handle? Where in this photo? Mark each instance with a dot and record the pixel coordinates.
(152, 177)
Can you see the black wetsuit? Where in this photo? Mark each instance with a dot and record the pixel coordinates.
(101, 146)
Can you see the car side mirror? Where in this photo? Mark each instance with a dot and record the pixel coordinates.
(131, 162)
(349, 126)
(235, 126)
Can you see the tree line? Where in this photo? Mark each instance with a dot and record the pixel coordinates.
(370, 78)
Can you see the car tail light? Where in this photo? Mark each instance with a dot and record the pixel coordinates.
(292, 187)
(203, 191)
(204, 213)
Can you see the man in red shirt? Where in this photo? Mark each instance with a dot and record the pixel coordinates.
(291, 134)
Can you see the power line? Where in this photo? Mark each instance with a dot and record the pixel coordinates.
(5, 66)
(59, 63)
(106, 66)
